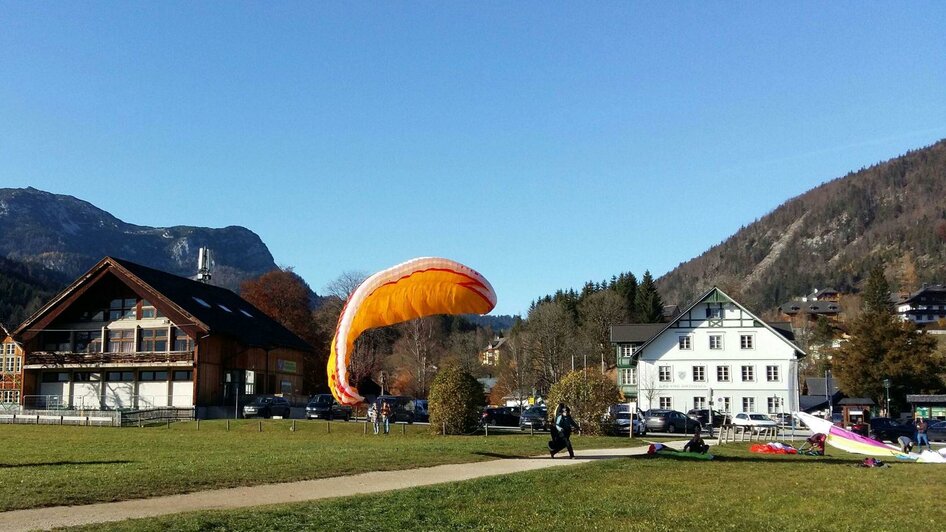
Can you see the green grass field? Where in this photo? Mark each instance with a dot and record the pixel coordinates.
(738, 491)
(52, 465)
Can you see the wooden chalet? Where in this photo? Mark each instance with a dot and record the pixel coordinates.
(124, 336)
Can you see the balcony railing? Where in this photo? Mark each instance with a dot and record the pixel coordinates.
(63, 358)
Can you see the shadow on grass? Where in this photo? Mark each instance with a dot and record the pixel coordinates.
(68, 463)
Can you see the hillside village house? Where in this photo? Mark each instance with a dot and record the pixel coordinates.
(126, 336)
(714, 353)
(925, 307)
(804, 312)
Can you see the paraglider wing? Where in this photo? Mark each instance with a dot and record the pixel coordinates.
(847, 440)
(414, 289)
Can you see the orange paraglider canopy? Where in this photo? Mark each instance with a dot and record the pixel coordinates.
(414, 289)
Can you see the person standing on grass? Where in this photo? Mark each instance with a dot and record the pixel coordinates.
(374, 417)
(921, 437)
(564, 424)
(386, 416)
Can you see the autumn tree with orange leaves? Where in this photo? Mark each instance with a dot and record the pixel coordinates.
(287, 298)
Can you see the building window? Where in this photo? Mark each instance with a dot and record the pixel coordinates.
(773, 405)
(725, 403)
(88, 341)
(86, 376)
(150, 376)
(122, 309)
(182, 342)
(182, 375)
(716, 341)
(699, 373)
(56, 376)
(121, 341)
(699, 403)
(664, 374)
(746, 341)
(748, 373)
(96, 314)
(666, 403)
(148, 311)
(771, 373)
(153, 340)
(722, 373)
(715, 313)
(119, 376)
(748, 404)
(628, 376)
(684, 342)
(10, 396)
(627, 350)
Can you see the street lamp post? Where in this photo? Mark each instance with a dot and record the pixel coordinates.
(887, 390)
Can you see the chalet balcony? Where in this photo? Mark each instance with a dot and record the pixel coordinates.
(46, 359)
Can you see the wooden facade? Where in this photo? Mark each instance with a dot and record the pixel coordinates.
(125, 336)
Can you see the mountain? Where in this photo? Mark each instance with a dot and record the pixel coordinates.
(892, 213)
(67, 235)
(24, 288)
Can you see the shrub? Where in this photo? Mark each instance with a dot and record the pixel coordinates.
(588, 394)
(456, 402)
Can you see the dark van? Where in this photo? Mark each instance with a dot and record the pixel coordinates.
(401, 405)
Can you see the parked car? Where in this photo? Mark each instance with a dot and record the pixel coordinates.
(421, 413)
(784, 419)
(621, 423)
(886, 429)
(325, 406)
(500, 416)
(703, 416)
(402, 407)
(535, 417)
(754, 420)
(267, 406)
(661, 420)
(936, 431)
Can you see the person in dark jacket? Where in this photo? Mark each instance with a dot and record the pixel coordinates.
(696, 444)
(564, 424)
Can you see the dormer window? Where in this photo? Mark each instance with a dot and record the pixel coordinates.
(148, 311)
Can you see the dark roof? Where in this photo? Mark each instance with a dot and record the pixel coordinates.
(935, 294)
(810, 307)
(816, 386)
(784, 328)
(635, 332)
(865, 401)
(807, 403)
(920, 399)
(223, 311)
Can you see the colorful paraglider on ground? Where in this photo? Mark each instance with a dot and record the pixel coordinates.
(414, 289)
(846, 440)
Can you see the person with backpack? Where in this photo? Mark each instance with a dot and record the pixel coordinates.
(563, 426)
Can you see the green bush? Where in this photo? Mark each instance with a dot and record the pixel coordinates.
(456, 402)
(588, 394)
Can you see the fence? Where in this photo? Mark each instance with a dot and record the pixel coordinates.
(63, 417)
(106, 402)
(154, 416)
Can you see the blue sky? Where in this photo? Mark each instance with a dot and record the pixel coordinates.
(542, 143)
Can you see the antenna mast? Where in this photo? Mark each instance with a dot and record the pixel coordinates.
(204, 265)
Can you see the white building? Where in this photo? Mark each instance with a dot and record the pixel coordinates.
(715, 353)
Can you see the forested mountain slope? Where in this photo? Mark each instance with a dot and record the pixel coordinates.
(830, 236)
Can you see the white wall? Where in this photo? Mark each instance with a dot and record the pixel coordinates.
(769, 349)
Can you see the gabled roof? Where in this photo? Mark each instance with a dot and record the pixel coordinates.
(635, 332)
(928, 294)
(716, 295)
(211, 309)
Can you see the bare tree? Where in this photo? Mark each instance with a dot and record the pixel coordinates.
(416, 352)
(346, 283)
(649, 386)
(598, 312)
(551, 343)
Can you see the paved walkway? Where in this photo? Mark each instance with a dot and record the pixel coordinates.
(307, 490)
